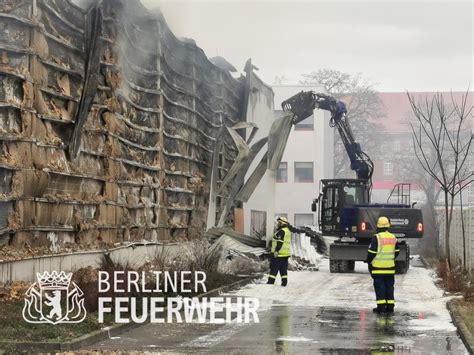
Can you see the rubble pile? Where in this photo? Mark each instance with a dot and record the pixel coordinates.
(108, 126)
(244, 254)
(14, 291)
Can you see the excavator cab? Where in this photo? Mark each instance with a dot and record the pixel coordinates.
(336, 198)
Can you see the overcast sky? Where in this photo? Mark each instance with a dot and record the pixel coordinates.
(415, 46)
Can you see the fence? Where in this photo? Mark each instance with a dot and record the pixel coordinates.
(461, 246)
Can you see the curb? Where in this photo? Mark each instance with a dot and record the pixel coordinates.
(464, 333)
(428, 263)
(424, 262)
(106, 333)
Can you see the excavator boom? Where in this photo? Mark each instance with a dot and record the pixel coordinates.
(302, 106)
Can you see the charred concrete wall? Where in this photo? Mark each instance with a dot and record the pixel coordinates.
(108, 125)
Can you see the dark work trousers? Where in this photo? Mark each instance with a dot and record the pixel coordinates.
(278, 265)
(384, 289)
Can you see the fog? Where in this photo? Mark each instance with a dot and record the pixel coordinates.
(415, 46)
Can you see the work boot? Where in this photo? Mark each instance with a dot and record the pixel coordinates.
(271, 282)
(389, 309)
(284, 282)
(380, 309)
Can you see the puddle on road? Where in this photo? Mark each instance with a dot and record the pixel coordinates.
(334, 331)
(307, 330)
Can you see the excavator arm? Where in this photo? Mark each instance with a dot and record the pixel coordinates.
(345, 210)
(302, 106)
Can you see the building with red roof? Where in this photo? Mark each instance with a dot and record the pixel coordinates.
(397, 140)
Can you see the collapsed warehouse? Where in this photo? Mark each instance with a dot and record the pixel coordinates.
(108, 125)
(113, 131)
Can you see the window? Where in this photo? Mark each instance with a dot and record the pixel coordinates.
(306, 125)
(282, 172)
(388, 168)
(304, 172)
(353, 195)
(304, 219)
(397, 145)
(330, 204)
(258, 224)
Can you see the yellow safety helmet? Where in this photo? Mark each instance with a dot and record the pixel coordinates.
(383, 222)
(282, 220)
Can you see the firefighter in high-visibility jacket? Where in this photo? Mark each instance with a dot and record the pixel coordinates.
(383, 250)
(281, 252)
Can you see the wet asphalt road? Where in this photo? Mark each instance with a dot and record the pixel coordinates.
(310, 327)
(299, 330)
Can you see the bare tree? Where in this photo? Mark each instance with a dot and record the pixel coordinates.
(280, 79)
(364, 107)
(442, 132)
(410, 170)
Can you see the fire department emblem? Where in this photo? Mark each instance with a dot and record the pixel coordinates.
(54, 299)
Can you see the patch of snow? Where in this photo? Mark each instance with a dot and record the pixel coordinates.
(53, 238)
(430, 324)
(296, 339)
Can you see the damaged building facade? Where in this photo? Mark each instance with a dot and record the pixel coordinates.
(114, 130)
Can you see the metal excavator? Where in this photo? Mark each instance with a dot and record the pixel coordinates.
(345, 211)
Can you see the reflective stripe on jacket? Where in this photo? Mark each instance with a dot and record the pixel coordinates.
(384, 261)
(285, 248)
